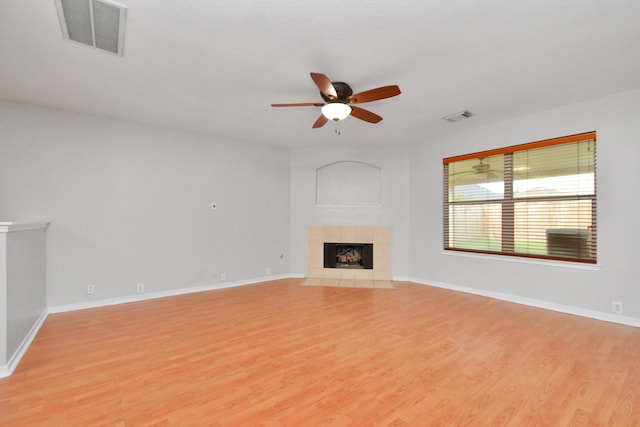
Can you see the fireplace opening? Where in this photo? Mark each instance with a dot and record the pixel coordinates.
(348, 255)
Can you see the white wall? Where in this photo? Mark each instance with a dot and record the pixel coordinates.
(130, 204)
(616, 120)
(394, 212)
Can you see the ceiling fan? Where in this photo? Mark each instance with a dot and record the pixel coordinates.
(339, 100)
(480, 168)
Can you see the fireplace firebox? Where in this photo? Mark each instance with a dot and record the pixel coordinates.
(348, 255)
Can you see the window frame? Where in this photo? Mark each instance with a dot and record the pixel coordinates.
(508, 201)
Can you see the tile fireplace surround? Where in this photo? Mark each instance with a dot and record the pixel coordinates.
(379, 236)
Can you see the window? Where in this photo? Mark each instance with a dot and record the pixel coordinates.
(534, 200)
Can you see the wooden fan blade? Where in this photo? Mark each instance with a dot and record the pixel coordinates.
(374, 94)
(300, 104)
(320, 122)
(366, 115)
(325, 85)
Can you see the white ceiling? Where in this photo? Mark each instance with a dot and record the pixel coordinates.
(216, 66)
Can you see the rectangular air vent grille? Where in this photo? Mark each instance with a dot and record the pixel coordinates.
(95, 23)
(456, 117)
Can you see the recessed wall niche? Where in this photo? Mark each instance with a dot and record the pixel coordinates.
(349, 183)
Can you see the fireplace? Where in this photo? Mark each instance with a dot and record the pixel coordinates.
(378, 264)
(348, 255)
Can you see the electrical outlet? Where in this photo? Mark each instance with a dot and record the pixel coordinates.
(268, 271)
(91, 289)
(140, 288)
(223, 276)
(616, 307)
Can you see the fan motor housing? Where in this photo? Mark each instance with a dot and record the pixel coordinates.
(343, 90)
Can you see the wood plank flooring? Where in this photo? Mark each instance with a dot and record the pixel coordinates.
(283, 354)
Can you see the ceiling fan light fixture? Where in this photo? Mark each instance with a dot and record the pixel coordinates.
(338, 98)
(336, 111)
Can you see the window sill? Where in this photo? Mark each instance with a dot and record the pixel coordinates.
(522, 260)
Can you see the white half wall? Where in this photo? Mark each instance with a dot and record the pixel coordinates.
(615, 118)
(393, 211)
(131, 204)
(24, 286)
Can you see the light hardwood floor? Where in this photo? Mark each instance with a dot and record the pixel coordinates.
(282, 354)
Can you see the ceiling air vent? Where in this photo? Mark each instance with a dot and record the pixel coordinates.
(96, 23)
(456, 117)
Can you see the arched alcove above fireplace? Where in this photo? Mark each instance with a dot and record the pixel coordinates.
(349, 183)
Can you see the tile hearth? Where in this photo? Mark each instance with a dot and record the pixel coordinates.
(350, 283)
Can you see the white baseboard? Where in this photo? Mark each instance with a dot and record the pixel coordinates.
(162, 294)
(568, 309)
(6, 370)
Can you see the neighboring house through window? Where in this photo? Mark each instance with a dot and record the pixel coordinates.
(534, 200)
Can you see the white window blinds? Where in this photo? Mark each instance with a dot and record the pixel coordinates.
(536, 200)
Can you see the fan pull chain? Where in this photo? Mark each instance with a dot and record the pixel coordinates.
(336, 130)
